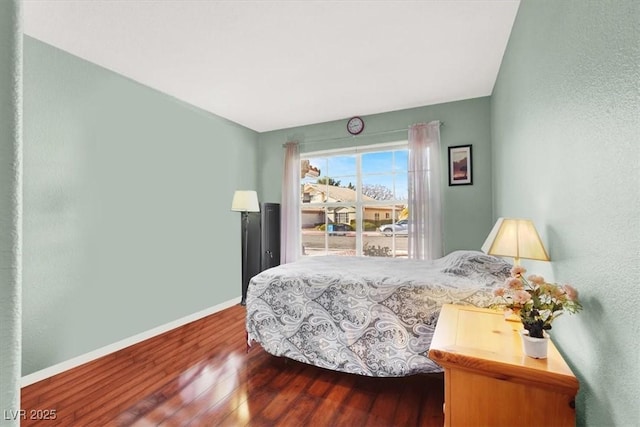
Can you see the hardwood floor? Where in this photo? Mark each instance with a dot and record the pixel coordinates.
(201, 375)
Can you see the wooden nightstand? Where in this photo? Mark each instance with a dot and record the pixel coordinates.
(490, 382)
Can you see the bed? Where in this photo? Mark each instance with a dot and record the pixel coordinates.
(365, 315)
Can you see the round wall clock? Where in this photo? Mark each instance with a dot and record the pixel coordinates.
(355, 125)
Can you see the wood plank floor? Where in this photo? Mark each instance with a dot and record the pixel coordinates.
(201, 375)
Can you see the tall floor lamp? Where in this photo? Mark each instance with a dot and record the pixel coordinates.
(245, 201)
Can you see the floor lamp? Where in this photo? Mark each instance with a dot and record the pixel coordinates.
(245, 201)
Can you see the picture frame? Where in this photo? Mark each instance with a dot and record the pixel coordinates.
(460, 165)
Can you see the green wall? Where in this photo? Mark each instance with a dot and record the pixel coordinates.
(127, 195)
(467, 209)
(10, 208)
(566, 153)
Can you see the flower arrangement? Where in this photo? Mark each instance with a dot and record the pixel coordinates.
(537, 302)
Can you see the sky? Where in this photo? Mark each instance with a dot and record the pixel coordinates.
(387, 168)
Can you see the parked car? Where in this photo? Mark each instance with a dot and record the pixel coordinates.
(400, 227)
(338, 229)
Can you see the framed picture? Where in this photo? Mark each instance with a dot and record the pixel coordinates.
(460, 170)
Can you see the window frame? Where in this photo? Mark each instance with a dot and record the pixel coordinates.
(358, 204)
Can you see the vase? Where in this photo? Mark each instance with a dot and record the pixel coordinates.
(534, 347)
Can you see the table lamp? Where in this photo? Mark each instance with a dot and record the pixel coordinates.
(515, 238)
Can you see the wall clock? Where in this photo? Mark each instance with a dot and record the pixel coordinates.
(355, 125)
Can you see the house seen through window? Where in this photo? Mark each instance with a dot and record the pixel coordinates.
(354, 202)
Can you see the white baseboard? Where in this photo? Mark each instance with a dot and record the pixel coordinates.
(95, 354)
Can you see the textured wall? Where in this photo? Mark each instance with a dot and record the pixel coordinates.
(566, 153)
(127, 207)
(467, 209)
(10, 208)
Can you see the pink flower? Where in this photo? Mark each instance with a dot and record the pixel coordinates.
(558, 293)
(538, 280)
(499, 292)
(521, 297)
(547, 288)
(572, 293)
(513, 283)
(518, 270)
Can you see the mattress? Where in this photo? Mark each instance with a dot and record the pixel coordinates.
(365, 315)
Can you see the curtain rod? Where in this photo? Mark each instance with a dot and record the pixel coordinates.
(384, 132)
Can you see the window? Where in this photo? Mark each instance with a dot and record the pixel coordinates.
(341, 217)
(347, 194)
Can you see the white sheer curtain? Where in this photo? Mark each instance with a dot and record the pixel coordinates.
(425, 206)
(290, 210)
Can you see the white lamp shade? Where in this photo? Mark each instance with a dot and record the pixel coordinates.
(515, 238)
(245, 201)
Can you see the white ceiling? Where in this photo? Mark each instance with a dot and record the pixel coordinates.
(277, 64)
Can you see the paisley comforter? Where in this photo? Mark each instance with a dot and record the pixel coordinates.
(364, 315)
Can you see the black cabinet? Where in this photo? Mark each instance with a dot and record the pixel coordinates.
(270, 235)
(261, 243)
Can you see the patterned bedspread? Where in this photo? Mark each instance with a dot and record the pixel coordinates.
(365, 315)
